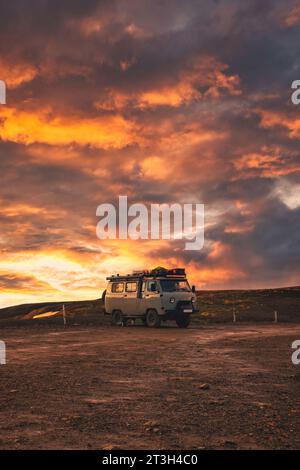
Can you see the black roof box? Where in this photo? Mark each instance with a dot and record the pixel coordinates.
(159, 271)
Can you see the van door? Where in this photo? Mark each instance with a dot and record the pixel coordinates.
(141, 301)
(151, 297)
(130, 301)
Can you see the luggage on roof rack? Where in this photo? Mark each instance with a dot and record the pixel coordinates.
(159, 271)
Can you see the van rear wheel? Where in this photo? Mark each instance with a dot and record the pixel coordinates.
(152, 319)
(117, 318)
(183, 320)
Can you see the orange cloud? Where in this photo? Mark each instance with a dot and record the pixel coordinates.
(22, 209)
(271, 119)
(16, 74)
(28, 127)
(242, 227)
(218, 249)
(218, 275)
(203, 73)
(174, 96)
(269, 164)
(292, 17)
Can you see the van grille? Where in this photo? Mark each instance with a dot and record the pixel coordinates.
(184, 304)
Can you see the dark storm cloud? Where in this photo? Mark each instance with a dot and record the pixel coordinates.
(82, 67)
(270, 252)
(40, 18)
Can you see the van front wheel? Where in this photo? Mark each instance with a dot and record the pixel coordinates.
(152, 319)
(183, 320)
(117, 318)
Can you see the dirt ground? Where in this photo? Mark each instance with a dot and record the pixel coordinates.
(231, 386)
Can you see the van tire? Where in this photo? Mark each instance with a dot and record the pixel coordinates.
(117, 318)
(152, 319)
(183, 320)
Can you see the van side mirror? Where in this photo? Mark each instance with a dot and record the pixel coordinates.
(153, 287)
(193, 289)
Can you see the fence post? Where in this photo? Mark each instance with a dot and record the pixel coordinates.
(275, 316)
(234, 315)
(2, 353)
(64, 315)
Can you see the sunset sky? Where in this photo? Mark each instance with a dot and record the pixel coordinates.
(163, 101)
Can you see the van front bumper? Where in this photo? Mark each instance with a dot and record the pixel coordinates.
(187, 309)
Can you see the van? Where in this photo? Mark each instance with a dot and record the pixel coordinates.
(151, 296)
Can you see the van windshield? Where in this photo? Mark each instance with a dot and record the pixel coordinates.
(171, 285)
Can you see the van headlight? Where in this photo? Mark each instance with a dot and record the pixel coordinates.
(172, 300)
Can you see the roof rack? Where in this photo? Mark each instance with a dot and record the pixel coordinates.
(157, 272)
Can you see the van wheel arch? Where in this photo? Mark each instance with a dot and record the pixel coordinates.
(117, 317)
(152, 318)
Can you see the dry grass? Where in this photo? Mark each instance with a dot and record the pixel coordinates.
(215, 307)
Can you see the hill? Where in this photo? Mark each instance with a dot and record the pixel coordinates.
(215, 306)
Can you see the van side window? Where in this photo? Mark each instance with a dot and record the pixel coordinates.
(131, 286)
(152, 286)
(117, 287)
